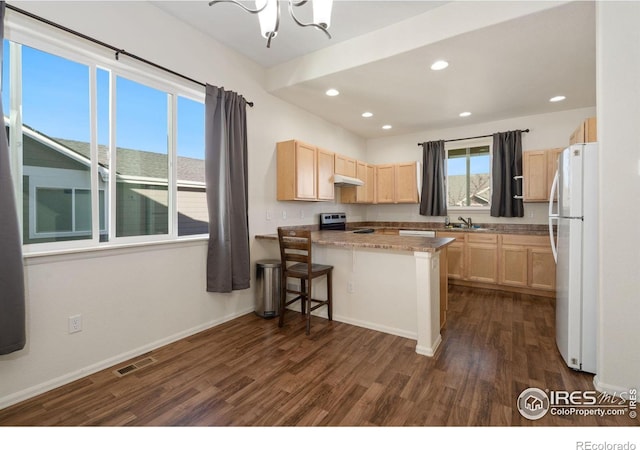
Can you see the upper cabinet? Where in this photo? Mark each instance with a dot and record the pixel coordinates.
(345, 166)
(538, 169)
(586, 132)
(305, 172)
(397, 183)
(385, 183)
(361, 194)
(407, 182)
(325, 171)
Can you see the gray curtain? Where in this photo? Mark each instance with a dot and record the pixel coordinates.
(433, 201)
(507, 163)
(228, 265)
(12, 309)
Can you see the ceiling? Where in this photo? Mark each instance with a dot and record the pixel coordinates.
(503, 63)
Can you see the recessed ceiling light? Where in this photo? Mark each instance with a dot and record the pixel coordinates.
(465, 114)
(439, 65)
(386, 127)
(557, 98)
(367, 114)
(332, 92)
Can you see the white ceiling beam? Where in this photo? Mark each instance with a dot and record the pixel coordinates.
(444, 22)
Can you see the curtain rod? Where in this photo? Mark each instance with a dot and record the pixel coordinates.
(104, 44)
(474, 137)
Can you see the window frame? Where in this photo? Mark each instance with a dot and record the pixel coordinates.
(20, 30)
(468, 143)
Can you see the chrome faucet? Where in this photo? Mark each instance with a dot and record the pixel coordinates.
(466, 222)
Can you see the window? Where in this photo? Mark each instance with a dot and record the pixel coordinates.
(141, 129)
(193, 216)
(469, 177)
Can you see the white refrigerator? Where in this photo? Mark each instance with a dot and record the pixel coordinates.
(575, 249)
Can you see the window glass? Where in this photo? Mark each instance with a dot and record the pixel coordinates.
(191, 200)
(55, 149)
(141, 159)
(56, 187)
(469, 177)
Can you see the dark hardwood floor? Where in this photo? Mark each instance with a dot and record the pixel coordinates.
(248, 372)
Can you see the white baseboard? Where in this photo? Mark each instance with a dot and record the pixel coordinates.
(377, 327)
(619, 391)
(93, 368)
(429, 351)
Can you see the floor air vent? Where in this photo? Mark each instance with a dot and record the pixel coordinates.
(134, 366)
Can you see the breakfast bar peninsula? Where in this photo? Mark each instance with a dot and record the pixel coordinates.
(388, 283)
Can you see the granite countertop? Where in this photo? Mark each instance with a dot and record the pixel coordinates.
(528, 229)
(374, 240)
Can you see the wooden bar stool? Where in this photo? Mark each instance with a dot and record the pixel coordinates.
(295, 255)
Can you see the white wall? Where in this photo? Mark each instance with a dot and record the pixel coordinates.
(546, 131)
(618, 97)
(132, 301)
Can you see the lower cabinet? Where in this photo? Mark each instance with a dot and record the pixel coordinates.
(456, 255)
(507, 261)
(514, 265)
(542, 269)
(482, 257)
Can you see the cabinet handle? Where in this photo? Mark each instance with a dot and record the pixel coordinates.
(518, 177)
(519, 197)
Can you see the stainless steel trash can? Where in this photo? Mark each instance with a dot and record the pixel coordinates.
(267, 300)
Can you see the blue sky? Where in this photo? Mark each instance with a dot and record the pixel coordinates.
(458, 166)
(56, 102)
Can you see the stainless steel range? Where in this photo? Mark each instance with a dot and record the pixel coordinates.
(333, 221)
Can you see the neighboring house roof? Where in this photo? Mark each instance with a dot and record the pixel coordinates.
(480, 189)
(138, 163)
(131, 163)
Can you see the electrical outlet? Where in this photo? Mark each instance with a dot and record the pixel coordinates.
(75, 323)
(284, 214)
(350, 287)
(531, 214)
(269, 214)
(302, 213)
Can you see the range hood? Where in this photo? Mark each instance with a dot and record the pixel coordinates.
(343, 180)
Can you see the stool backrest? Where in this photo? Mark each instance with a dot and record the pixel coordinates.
(295, 246)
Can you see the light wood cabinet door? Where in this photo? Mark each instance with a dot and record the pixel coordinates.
(325, 164)
(586, 132)
(552, 167)
(296, 171)
(482, 262)
(406, 185)
(539, 168)
(305, 171)
(385, 183)
(542, 268)
(364, 193)
(361, 173)
(456, 255)
(513, 266)
(534, 170)
(345, 166)
(370, 184)
(456, 261)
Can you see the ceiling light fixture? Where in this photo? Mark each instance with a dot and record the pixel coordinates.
(332, 92)
(557, 98)
(367, 114)
(386, 127)
(439, 65)
(268, 12)
(465, 114)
